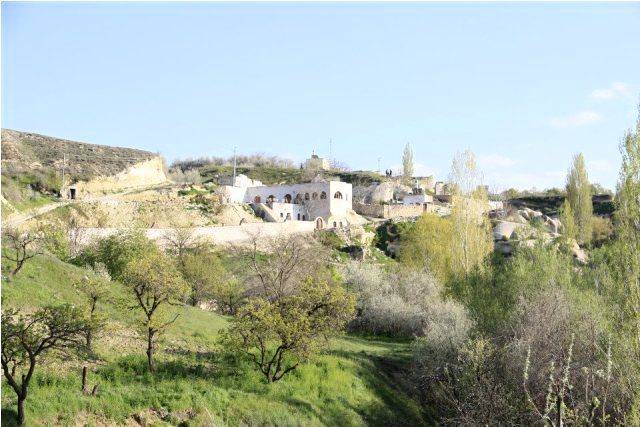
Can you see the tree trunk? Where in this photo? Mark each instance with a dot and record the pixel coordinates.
(84, 380)
(21, 418)
(152, 366)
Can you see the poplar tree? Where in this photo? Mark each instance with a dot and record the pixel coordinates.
(472, 240)
(627, 216)
(579, 198)
(407, 163)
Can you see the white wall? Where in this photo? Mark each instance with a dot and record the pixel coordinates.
(231, 234)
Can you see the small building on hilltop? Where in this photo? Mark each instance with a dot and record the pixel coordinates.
(316, 162)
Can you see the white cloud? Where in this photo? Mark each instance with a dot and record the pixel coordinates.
(495, 161)
(616, 90)
(579, 119)
(600, 166)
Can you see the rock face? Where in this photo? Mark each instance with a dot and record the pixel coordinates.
(377, 193)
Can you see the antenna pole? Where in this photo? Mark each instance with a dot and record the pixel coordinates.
(234, 165)
(64, 165)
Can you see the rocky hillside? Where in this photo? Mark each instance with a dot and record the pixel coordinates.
(31, 152)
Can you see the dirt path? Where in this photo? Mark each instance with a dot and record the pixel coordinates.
(16, 219)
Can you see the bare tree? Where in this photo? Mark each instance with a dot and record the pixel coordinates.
(278, 265)
(23, 245)
(181, 240)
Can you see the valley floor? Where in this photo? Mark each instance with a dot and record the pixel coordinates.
(355, 383)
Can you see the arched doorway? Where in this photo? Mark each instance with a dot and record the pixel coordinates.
(287, 198)
(319, 223)
(323, 195)
(337, 195)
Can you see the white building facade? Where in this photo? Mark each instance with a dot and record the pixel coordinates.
(328, 203)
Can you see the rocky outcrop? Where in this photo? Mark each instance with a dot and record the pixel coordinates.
(525, 227)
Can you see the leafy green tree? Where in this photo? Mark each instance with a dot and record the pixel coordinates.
(579, 197)
(155, 283)
(427, 245)
(407, 163)
(280, 334)
(118, 250)
(26, 339)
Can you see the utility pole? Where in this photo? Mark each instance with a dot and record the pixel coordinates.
(64, 165)
(234, 165)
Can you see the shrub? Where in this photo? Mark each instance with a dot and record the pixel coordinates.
(602, 230)
(399, 304)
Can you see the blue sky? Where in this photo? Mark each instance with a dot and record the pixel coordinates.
(522, 85)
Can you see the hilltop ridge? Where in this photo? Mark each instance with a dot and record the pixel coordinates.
(28, 152)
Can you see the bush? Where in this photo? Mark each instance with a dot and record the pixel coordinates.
(399, 304)
(602, 230)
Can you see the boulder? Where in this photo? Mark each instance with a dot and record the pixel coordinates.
(503, 230)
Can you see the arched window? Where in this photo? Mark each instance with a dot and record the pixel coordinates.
(298, 217)
(338, 195)
(334, 224)
(298, 198)
(323, 195)
(287, 198)
(271, 198)
(257, 199)
(314, 196)
(304, 217)
(306, 196)
(281, 215)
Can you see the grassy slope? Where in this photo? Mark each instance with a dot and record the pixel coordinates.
(345, 386)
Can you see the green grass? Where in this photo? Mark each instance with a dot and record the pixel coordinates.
(198, 383)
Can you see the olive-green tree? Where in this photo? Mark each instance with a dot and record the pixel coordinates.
(280, 334)
(155, 283)
(27, 338)
(579, 197)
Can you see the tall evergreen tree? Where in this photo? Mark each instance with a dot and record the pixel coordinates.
(579, 197)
